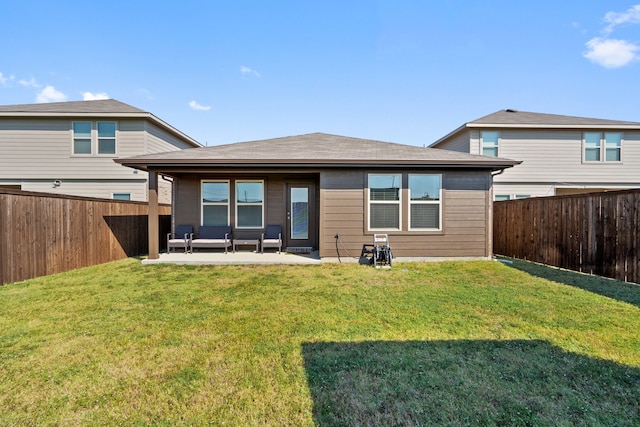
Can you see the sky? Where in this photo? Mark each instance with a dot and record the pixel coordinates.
(404, 71)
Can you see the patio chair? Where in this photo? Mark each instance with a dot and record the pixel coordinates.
(180, 239)
(379, 253)
(272, 238)
(213, 236)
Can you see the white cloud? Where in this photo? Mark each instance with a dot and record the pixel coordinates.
(249, 71)
(611, 53)
(30, 83)
(195, 106)
(631, 16)
(50, 94)
(88, 96)
(4, 80)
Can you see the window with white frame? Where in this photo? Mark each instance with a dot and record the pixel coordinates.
(490, 142)
(424, 202)
(215, 202)
(602, 147)
(121, 196)
(249, 204)
(82, 138)
(501, 197)
(90, 138)
(106, 137)
(384, 201)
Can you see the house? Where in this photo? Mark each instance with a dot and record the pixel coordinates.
(560, 154)
(69, 147)
(332, 193)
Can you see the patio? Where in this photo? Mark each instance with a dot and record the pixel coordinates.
(237, 258)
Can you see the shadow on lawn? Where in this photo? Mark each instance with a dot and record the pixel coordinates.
(491, 383)
(621, 291)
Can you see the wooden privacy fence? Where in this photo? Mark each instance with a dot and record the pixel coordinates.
(595, 233)
(43, 233)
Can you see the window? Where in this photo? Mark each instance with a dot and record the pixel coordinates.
(215, 203)
(522, 196)
(602, 146)
(424, 202)
(501, 197)
(81, 137)
(384, 202)
(490, 143)
(122, 196)
(89, 139)
(249, 204)
(106, 138)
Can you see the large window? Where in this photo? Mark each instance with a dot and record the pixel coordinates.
(384, 201)
(424, 202)
(249, 204)
(90, 138)
(602, 146)
(490, 142)
(215, 203)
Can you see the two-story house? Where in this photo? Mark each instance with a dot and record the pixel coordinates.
(559, 154)
(69, 147)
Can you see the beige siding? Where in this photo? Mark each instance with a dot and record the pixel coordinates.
(34, 153)
(459, 143)
(554, 158)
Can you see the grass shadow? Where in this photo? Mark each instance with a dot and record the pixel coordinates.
(489, 383)
(621, 291)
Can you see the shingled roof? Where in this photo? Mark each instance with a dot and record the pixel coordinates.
(313, 150)
(104, 108)
(514, 119)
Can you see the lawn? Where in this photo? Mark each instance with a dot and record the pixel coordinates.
(454, 343)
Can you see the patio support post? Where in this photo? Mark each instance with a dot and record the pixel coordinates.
(154, 249)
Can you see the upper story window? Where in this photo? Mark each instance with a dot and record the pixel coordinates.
(490, 142)
(215, 203)
(384, 201)
(91, 138)
(249, 204)
(602, 146)
(424, 202)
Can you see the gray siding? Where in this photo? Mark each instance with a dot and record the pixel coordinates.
(459, 143)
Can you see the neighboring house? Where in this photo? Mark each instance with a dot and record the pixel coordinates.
(333, 193)
(559, 154)
(69, 147)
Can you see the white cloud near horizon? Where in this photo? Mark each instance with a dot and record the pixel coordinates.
(88, 96)
(4, 80)
(50, 94)
(248, 71)
(195, 106)
(614, 53)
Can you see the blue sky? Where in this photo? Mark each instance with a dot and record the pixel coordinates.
(400, 71)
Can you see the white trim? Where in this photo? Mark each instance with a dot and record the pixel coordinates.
(203, 204)
(237, 203)
(385, 202)
(425, 202)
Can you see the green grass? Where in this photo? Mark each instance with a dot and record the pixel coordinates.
(455, 343)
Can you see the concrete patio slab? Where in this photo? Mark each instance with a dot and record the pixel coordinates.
(237, 258)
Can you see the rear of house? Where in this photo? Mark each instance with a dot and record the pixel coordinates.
(69, 147)
(559, 154)
(333, 193)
